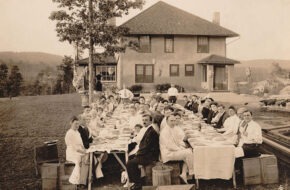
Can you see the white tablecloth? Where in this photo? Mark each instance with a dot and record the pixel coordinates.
(211, 162)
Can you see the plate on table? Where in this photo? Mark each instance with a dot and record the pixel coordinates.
(219, 139)
(199, 144)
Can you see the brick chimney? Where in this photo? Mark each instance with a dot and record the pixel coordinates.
(216, 18)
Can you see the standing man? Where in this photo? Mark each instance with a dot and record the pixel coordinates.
(148, 152)
(172, 94)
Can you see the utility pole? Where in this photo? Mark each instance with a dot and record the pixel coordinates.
(91, 47)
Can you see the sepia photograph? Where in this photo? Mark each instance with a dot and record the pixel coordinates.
(144, 94)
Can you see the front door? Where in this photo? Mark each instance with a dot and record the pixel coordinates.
(220, 81)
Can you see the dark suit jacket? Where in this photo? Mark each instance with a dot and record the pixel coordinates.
(85, 136)
(194, 107)
(205, 112)
(149, 146)
(221, 121)
(211, 115)
(188, 105)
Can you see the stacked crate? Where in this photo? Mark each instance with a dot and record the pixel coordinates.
(260, 170)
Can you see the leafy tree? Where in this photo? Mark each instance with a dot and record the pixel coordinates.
(15, 80)
(67, 74)
(85, 23)
(3, 79)
(58, 86)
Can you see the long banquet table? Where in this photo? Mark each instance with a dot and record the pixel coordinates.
(113, 138)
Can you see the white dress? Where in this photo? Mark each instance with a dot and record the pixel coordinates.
(74, 142)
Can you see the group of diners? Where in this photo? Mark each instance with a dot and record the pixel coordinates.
(158, 135)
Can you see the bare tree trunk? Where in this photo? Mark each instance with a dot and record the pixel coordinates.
(91, 47)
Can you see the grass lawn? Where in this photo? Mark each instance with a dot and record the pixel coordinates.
(26, 122)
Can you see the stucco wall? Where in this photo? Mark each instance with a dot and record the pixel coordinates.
(185, 52)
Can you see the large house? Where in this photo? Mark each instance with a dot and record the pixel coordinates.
(173, 46)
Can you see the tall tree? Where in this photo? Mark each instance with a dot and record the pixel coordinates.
(85, 23)
(67, 70)
(3, 79)
(15, 80)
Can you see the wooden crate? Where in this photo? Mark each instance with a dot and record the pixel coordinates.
(45, 154)
(269, 169)
(64, 184)
(261, 170)
(49, 170)
(252, 171)
(49, 184)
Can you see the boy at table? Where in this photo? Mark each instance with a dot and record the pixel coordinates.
(147, 153)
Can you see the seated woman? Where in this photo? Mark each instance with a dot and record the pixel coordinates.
(173, 147)
(76, 153)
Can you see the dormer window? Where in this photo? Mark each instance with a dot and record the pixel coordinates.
(202, 44)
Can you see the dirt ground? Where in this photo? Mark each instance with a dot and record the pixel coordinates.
(26, 122)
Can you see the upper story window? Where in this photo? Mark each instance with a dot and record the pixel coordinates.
(174, 70)
(108, 73)
(144, 73)
(189, 70)
(202, 44)
(144, 44)
(168, 44)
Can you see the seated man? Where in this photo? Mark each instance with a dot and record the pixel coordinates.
(220, 117)
(147, 153)
(250, 136)
(173, 147)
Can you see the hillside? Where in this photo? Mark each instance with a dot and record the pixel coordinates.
(30, 63)
(260, 68)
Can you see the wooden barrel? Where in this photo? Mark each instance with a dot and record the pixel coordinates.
(175, 179)
(161, 175)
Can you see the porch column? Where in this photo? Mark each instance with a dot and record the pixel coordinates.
(210, 76)
(231, 77)
(120, 72)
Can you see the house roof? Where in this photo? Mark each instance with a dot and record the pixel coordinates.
(164, 19)
(103, 60)
(217, 59)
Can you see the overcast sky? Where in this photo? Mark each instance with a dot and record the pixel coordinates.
(263, 25)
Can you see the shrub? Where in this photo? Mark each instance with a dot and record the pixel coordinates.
(164, 87)
(136, 88)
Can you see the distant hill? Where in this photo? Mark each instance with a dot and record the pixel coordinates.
(31, 63)
(260, 68)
